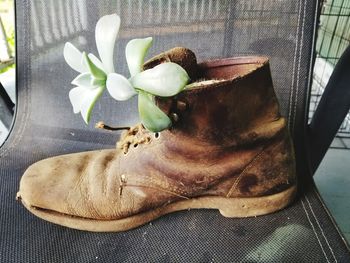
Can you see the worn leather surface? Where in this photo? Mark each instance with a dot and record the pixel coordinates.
(228, 140)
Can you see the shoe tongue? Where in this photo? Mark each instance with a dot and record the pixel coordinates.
(179, 55)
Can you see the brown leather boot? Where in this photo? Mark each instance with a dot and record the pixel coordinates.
(228, 149)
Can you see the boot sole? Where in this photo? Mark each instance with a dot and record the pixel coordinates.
(237, 207)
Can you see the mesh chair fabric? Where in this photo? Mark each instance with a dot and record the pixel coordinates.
(45, 126)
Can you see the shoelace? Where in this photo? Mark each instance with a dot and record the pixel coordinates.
(134, 136)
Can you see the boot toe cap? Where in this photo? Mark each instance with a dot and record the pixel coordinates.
(44, 185)
(65, 184)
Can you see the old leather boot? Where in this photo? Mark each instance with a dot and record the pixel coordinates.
(228, 149)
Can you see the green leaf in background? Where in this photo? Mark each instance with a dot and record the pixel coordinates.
(164, 80)
(153, 118)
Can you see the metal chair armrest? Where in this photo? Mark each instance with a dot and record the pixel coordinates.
(331, 111)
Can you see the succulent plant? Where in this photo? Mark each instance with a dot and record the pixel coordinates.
(97, 74)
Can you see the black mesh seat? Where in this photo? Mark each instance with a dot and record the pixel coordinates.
(45, 126)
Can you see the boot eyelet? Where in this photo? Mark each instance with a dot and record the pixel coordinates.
(174, 116)
(181, 105)
(156, 135)
(135, 145)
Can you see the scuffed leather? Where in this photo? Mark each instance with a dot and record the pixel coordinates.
(229, 140)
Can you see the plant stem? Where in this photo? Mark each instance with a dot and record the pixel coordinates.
(101, 125)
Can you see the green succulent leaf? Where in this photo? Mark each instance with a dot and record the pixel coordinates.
(153, 118)
(95, 71)
(84, 80)
(88, 103)
(135, 53)
(164, 80)
(83, 100)
(98, 82)
(106, 33)
(96, 61)
(76, 96)
(119, 87)
(73, 56)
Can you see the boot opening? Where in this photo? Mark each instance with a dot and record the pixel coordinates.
(217, 71)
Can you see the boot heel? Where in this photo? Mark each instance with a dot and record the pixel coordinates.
(255, 206)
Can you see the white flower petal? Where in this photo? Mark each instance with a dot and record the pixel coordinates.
(96, 61)
(164, 80)
(76, 96)
(135, 52)
(106, 33)
(73, 57)
(119, 87)
(88, 102)
(84, 80)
